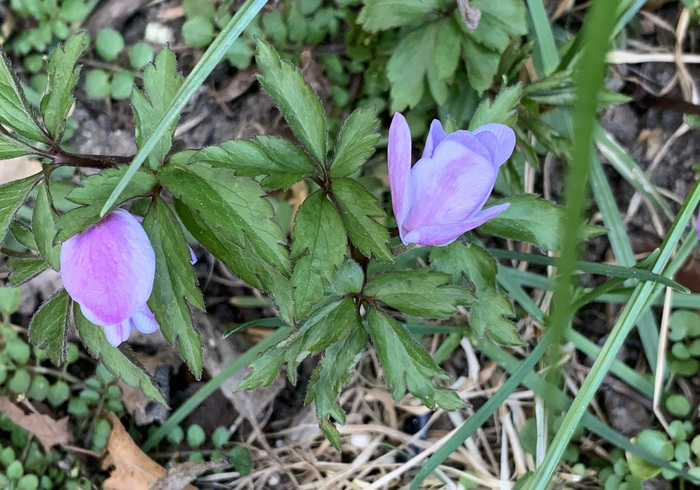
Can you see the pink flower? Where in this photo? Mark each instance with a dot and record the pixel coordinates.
(442, 196)
(109, 270)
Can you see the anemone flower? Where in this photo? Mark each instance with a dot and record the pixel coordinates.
(442, 195)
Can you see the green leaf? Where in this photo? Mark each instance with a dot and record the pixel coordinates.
(23, 235)
(319, 247)
(357, 141)
(94, 193)
(10, 299)
(358, 209)
(447, 48)
(282, 161)
(380, 15)
(24, 268)
(175, 285)
(63, 75)
(244, 261)
(109, 43)
(15, 112)
(482, 64)
(407, 67)
(348, 279)
(491, 306)
(12, 196)
(657, 444)
(198, 32)
(501, 110)
(161, 83)
(295, 99)
(406, 363)
(327, 325)
(533, 220)
(44, 227)
(235, 206)
(329, 378)
(499, 22)
(48, 328)
(11, 148)
(420, 292)
(118, 361)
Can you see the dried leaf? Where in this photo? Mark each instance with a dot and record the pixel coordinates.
(183, 473)
(50, 432)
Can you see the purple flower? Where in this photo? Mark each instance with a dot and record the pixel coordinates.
(441, 197)
(109, 270)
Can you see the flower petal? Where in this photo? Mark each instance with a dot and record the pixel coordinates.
(109, 268)
(450, 187)
(468, 140)
(435, 136)
(118, 333)
(498, 139)
(444, 234)
(145, 321)
(399, 159)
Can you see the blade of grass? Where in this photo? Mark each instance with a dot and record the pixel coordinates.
(544, 36)
(640, 300)
(201, 71)
(211, 386)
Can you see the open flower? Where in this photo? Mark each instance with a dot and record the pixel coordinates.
(441, 197)
(108, 270)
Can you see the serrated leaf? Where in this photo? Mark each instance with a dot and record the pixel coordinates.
(357, 141)
(161, 83)
(94, 192)
(175, 285)
(420, 292)
(48, 328)
(319, 247)
(501, 110)
(348, 279)
(295, 99)
(491, 307)
(11, 148)
(448, 48)
(405, 363)
(12, 196)
(283, 162)
(499, 22)
(235, 206)
(329, 378)
(482, 64)
(23, 235)
(62, 77)
(408, 65)
(358, 209)
(327, 325)
(118, 361)
(380, 15)
(243, 261)
(43, 226)
(533, 220)
(15, 112)
(23, 269)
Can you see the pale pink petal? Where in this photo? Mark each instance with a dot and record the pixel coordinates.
(435, 136)
(145, 321)
(444, 234)
(109, 268)
(450, 187)
(399, 159)
(498, 139)
(118, 333)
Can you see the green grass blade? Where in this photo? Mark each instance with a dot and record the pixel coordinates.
(201, 71)
(544, 36)
(486, 410)
(211, 386)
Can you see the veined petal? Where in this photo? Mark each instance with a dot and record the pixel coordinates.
(498, 139)
(118, 333)
(109, 268)
(435, 136)
(468, 140)
(450, 187)
(145, 321)
(444, 234)
(399, 159)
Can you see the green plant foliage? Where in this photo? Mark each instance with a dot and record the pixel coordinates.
(357, 140)
(48, 328)
(10, 299)
(44, 227)
(348, 278)
(122, 85)
(175, 286)
(22, 269)
(161, 83)
(657, 444)
(140, 54)
(12, 196)
(97, 84)
(198, 32)
(15, 113)
(109, 43)
(379, 15)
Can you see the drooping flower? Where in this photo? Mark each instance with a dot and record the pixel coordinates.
(109, 270)
(442, 196)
